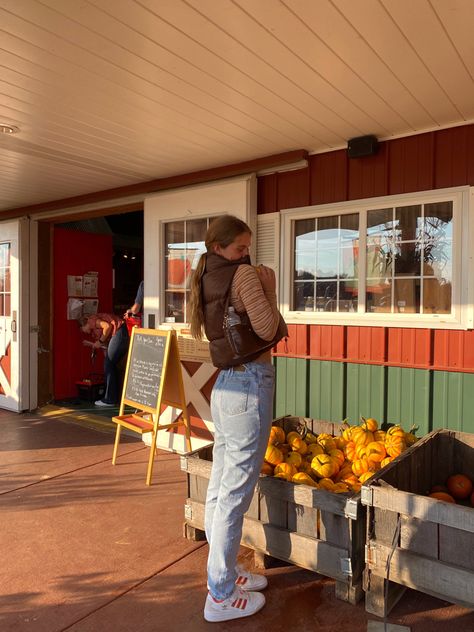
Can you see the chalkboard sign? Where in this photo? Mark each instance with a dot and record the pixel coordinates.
(146, 356)
(153, 379)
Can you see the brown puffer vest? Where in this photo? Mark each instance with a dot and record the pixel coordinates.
(215, 285)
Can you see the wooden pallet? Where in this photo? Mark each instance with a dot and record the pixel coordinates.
(311, 528)
(430, 543)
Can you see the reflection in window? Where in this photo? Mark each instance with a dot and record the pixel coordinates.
(326, 253)
(5, 279)
(409, 259)
(184, 244)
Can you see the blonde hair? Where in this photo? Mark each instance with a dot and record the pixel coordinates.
(221, 232)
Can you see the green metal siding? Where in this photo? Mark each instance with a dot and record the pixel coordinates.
(408, 398)
(334, 390)
(291, 387)
(326, 390)
(453, 401)
(365, 392)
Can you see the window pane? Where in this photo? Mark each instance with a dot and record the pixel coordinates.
(7, 305)
(305, 265)
(305, 249)
(436, 296)
(327, 263)
(327, 233)
(303, 299)
(2, 313)
(438, 221)
(379, 260)
(349, 262)
(7, 280)
(407, 259)
(408, 222)
(379, 296)
(350, 227)
(4, 255)
(407, 296)
(174, 233)
(2, 279)
(348, 293)
(326, 296)
(380, 223)
(438, 260)
(175, 307)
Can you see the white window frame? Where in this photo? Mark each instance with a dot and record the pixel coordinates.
(236, 196)
(463, 235)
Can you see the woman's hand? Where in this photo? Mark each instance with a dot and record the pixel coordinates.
(267, 277)
(97, 344)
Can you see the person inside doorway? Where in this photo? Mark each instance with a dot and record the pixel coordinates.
(137, 306)
(109, 330)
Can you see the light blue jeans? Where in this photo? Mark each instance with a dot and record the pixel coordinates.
(242, 411)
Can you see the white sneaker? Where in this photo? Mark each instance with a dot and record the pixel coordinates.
(250, 581)
(99, 402)
(240, 604)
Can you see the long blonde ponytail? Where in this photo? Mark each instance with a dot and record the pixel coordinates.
(195, 301)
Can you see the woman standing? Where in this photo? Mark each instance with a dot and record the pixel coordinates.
(241, 404)
(109, 330)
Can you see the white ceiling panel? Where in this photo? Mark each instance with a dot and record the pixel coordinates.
(109, 93)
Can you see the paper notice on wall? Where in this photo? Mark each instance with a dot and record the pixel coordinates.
(74, 308)
(74, 285)
(91, 306)
(90, 284)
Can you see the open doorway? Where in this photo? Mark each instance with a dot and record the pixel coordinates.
(97, 268)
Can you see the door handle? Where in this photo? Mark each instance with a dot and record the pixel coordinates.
(13, 326)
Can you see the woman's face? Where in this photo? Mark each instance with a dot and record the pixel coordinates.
(237, 249)
(85, 328)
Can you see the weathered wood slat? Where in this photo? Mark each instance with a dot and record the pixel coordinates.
(444, 581)
(286, 545)
(423, 507)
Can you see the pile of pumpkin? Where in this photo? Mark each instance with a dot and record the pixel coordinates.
(338, 464)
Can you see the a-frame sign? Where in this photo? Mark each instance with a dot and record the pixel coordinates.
(153, 379)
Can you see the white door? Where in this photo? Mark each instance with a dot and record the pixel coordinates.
(12, 388)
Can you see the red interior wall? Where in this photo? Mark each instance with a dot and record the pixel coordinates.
(77, 253)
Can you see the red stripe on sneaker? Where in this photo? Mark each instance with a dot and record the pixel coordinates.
(244, 605)
(241, 580)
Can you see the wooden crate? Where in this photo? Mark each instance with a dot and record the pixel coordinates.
(425, 544)
(311, 528)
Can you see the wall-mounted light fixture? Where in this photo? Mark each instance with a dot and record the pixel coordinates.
(5, 128)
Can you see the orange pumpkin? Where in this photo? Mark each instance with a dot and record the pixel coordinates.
(362, 436)
(338, 455)
(267, 469)
(360, 466)
(364, 477)
(350, 451)
(379, 435)
(294, 458)
(459, 486)
(297, 444)
(273, 455)
(386, 461)
(314, 449)
(277, 435)
(370, 424)
(301, 478)
(443, 496)
(395, 445)
(285, 468)
(396, 431)
(327, 442)
(327, 484)
(324, 465)
(375, 451)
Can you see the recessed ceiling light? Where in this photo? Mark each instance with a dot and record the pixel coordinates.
(8, 129)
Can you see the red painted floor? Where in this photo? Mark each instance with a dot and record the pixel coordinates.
(87, 547)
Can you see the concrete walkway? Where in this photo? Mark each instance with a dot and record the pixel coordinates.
(87, 547)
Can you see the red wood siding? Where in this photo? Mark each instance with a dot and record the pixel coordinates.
(293, 188)
(420, 162)
(411, 164)
(328, 175)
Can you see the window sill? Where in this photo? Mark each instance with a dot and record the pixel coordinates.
(375, 320)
